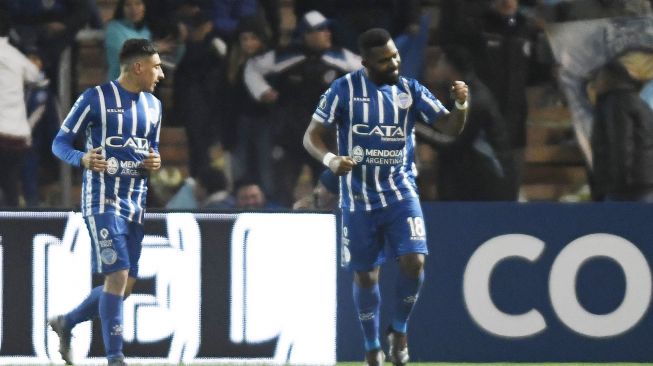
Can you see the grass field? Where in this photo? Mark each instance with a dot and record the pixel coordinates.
(506, 363)
(454, 364)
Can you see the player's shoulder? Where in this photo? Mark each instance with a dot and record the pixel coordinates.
(89, 95)
(342, 83)
(413, 83)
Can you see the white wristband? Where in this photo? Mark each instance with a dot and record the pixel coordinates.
(326, 160)
(463, 106)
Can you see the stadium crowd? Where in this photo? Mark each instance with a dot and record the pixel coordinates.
(245, 86)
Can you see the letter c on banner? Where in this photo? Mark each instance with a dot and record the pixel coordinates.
(476, 286)
(562, 285)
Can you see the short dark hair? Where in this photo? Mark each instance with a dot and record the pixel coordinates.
(375, 37)
(136, 47)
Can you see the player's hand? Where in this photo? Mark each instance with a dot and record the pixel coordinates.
(93, 160)
(341, 165)
(153, 161)
(270, 96)
(460, 91)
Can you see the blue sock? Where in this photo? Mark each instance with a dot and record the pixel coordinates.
(87, 310)
(368, 304)
(406, 295)
(111, 316)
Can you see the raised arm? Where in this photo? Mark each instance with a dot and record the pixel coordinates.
(453, 123)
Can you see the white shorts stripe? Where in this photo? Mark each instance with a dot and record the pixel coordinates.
(132, 209)
(393, 185)
(364, 189)
(116, 194)
(96, 243)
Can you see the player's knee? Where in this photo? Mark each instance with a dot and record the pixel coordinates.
(116, 282)
(412, 264)
(367, 279)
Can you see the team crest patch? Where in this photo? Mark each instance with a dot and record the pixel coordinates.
(357, 153)
(112, 165)
(108, 256)
(403, 100)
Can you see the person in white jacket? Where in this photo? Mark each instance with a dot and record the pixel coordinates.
(15, 131)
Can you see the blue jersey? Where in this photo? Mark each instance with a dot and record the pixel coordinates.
(126, 125)
(375, 126)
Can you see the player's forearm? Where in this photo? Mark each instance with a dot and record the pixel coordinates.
(454, 123)
(63, 149)
(314, 143)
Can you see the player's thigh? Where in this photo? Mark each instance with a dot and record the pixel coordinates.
(135, 247)
(404, 228)
(108, 234)
(362, 248)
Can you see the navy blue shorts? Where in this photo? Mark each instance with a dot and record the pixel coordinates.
(365, 234)
(116, 243)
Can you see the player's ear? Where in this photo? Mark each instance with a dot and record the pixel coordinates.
(137, 67)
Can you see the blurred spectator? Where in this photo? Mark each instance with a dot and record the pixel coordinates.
(471, 166)
(128, 22)
(592, 9)
(249, 195)
(502, 43)
(622, 138)
(208, 190)
(15, 130)
(324, 195)
(161, 18)
(199, 77)
(292, 80)
(249, 126)
(43, 116)
(226, 14)
(50, 26)
(353, 17)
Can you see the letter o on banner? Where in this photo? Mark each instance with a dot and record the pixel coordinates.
(562, 285)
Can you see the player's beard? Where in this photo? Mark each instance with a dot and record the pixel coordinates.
(391, 77)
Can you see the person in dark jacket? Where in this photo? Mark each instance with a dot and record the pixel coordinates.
(471, 166)
(291, 81)
(502, 43)
(622, 139)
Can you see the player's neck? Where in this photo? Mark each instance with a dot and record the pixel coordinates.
(128, 84)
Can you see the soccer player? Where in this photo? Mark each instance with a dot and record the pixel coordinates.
(374, 111)
(120, 121)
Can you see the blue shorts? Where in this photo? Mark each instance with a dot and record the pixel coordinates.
(366, 233)
(116, 243)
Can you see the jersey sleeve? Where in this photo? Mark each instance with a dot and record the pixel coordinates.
(78, 118)
(329, 108)
(428, 106)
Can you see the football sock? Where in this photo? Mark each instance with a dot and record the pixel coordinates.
(406, 295)
(111, 316)
(368, 304)
(87, 310)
